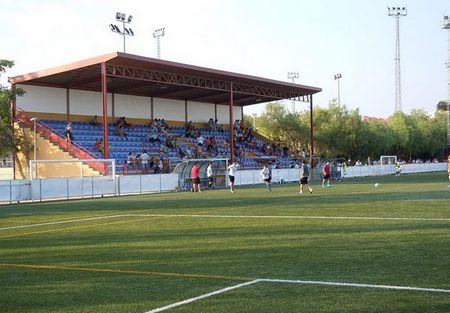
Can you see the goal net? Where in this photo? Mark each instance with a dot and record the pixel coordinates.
(388, 159)
(72, 168)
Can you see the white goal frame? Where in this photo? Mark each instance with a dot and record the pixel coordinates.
(110, 166)
(388, 159)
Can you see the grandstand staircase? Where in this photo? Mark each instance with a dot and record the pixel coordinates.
(59, 145)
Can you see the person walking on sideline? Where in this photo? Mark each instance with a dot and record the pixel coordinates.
(326, 175)
(209, 174)
(195, 178)
(231, 173)
(265, 177)
(304, 176)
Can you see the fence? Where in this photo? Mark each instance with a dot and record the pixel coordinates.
(88, 187)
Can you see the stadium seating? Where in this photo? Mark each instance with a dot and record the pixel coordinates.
(136, 141)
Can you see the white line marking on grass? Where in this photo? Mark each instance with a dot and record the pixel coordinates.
(309, 282)
(65, 221)
(206, 295)
(297, 217)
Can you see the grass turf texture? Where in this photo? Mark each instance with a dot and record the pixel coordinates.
(128, 263)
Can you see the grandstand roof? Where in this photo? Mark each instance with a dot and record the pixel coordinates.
(142, 76)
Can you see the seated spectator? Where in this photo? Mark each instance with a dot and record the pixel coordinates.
(211, 124)
(120, 131)
(98, 145)
(131, 160)
(94, 121)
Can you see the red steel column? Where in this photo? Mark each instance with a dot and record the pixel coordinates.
(231, 125)
(105, 112)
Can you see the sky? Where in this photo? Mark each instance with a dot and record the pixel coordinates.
(265, 38)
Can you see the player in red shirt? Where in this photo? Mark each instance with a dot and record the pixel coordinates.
(326, 175)
(195, 178)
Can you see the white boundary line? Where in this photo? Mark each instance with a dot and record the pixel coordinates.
(64, 221)
(206, 295)
(302, 282)
(234, 216)
(311, 282)
(297, 217)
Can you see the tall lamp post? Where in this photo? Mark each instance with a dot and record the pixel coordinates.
(293, 76)
(396, 12)
(34, 119)
(158, 33)
(338, 78)
(122, 17)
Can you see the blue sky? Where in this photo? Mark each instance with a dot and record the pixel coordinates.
(266, 38)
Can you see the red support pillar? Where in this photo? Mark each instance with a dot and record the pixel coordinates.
(231, 125)
(105, 112)
(311, 138)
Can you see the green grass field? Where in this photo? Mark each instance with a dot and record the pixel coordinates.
(141, 253)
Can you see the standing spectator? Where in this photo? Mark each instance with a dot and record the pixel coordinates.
(94, 121)
(145, 158)
(68, 132)
(209, 174)
(326, 175)
(195, 178)
(265, 177)
(231, 174)
(131, 160)
(304, 176)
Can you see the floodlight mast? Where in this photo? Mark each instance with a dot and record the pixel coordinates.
(158, 33)
(446, 26)
(122, 17)
(293, 76)
(338, 78)
(396, 12)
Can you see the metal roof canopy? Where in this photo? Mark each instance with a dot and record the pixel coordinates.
(141, 76)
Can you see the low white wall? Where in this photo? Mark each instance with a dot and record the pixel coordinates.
(66, 188)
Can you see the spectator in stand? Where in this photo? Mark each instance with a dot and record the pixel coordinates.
(68, 132)
(98, 145)
(94, 121)
(145, 160)
(303, 154)
(131, 160)
(211, 124)
(120, 131)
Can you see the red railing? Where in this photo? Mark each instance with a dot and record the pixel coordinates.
(72, 148)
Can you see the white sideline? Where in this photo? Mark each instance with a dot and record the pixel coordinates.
(296, 217)
(235, 216)
(312, 282)
(63, 222)
(206, 295)
(302, 282)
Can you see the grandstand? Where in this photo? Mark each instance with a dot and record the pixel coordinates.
(144, 90)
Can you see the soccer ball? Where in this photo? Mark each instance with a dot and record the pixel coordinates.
(376, 185)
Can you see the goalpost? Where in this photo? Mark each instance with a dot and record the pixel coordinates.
(388, 159)
(72, 168)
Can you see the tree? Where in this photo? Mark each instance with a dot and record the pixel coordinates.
(10, 143)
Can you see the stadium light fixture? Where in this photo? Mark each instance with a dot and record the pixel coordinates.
(122, 18)
(338, 77)
(293, 76)
(397, 12)
(158, 33)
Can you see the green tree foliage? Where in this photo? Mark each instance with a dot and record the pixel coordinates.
(9, 142)
(340, 132)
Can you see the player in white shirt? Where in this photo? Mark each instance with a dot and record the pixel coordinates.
(231, 173)
(209, 174)
(265, 177)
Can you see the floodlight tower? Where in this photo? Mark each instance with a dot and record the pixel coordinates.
(122, 17)
(293, 76)
(396, 12)
(446, 25)
(158, 33)
(338, 78)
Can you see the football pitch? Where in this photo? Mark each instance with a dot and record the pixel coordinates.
(348, 248)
